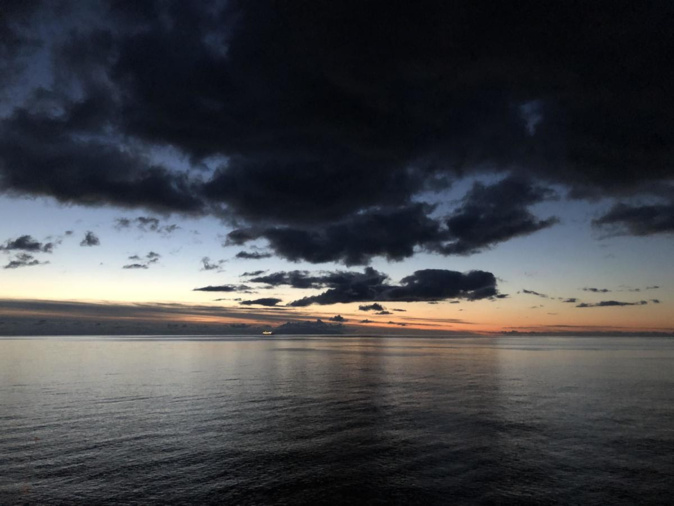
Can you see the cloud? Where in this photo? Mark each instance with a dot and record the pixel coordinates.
(34, 145)
(571, 300)
(207, 265)
(252, 255)
(639, 220)
(27, 243)
(266, 301)
(23, 260)
(145, 224)
(296, 279)
(143, 262)
(423, 285)
(338, 318)
(384, 312)
(597, 290)
(495, 213)
(371, 307)
(537, 294)
(391, 233)
(90, 239)
(488, 215)
(252, 273)
(612, 303)
(223, 288)
(322, 148)
(135, 266)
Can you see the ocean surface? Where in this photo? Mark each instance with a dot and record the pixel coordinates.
(337, 420)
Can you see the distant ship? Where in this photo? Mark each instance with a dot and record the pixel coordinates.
(267, 332)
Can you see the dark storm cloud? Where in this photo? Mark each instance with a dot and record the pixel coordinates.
(90, 239)
(27, 243)
(223, 288)
(493, 214)
(489, 214)
(438, 83)
(423, 285)
(207, 265)
(612, 303)
(371, 307)
(17, 40)
(330, 117)
(252, 255)
(392, 233)
(639, 220)
(42, 154)
(267, 301)
(23, 260)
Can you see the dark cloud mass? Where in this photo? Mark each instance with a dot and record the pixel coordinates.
(320, 124)
(493, 214)
(392, 233)
(639, 220)
(423, 285)
(372, 286)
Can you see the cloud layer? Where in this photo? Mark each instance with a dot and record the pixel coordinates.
(319, 131)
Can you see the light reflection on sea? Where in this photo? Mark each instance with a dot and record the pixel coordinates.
(315, 420)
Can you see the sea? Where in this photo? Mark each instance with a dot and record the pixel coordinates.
(336, 420)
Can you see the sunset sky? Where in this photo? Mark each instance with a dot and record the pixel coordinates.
(441, 166)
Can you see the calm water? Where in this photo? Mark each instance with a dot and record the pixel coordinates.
(337, 420)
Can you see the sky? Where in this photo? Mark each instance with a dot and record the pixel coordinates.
(229, 166)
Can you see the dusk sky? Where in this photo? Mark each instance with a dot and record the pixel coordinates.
(446, 166)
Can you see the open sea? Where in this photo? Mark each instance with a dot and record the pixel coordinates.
(336, 420)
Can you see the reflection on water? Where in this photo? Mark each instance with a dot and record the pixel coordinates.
(330, 420)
